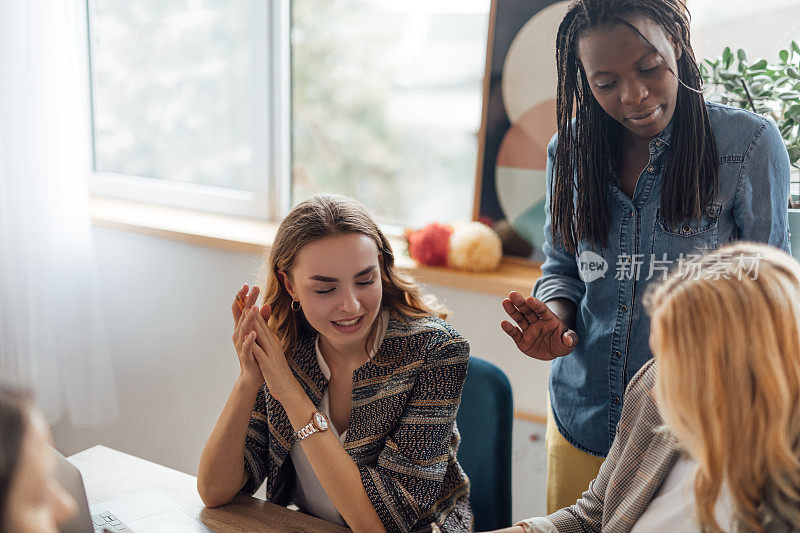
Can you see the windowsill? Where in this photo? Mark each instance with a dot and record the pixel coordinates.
(252, 236)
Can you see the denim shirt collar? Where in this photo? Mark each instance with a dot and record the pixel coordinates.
(662, 138)
(657, 146)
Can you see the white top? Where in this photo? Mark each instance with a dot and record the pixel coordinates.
(309, 494)
(671, 509)
(672, 506)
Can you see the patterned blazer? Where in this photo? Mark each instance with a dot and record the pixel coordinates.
(639, 461)
(641, 457)
(402, 433)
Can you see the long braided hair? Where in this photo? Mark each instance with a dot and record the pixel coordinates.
(586, 143)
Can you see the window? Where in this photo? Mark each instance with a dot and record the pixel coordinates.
(191, 103)
(186, 102)
(760, 28)
(386, 103)
(192, 98)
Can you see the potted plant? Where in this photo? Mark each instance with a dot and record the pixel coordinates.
(771, 89)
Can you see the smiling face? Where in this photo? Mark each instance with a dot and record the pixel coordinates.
(633, 83)
(337, 281)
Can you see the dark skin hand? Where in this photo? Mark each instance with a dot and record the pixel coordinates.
(542, 331)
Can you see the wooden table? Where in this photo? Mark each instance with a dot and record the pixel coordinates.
(109, 474)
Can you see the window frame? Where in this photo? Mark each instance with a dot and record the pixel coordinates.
(271, 166)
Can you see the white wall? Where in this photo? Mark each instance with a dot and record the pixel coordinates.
(168, 318)
(477, 316)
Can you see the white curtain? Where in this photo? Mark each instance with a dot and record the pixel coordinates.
(52, 338)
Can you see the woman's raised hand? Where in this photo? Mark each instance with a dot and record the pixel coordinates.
(260, 353)
(271, 360)
(244, 337)
(539, 333)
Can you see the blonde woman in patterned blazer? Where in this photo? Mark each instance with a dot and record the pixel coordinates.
(349, 386)
(709, 438)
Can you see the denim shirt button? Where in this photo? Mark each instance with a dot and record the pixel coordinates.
(659, 142)
(616, 400)
(633, 214)
(624, 308)
(617, 354)
(651, 169)
(687, 228)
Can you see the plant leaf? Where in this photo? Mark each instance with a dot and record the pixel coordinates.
(773, 88)
(794, 153)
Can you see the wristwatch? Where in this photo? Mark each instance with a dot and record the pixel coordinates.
(319, 422)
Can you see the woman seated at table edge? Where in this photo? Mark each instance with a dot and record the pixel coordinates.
(356, 423)
(709, 437)
(31, 498)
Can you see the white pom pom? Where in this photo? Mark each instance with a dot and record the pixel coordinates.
(475, 247)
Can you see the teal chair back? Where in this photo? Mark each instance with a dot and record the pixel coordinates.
(485, 420)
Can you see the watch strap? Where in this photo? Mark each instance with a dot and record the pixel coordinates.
(305, 431)
(313, 426)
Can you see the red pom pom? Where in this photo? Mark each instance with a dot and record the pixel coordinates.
(430, 244)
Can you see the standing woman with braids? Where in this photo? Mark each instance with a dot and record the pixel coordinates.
(646, 173)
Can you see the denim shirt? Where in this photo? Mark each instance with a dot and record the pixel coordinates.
(587, 386)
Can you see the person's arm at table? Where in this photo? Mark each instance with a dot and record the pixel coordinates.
(333, 466)
(532, 525)
(587, 514)
(335, 469)
(221, 474)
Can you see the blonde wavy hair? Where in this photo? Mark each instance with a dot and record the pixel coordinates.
(319, 217)
(725, 331)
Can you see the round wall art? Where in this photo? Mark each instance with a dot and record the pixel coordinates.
(519, 118)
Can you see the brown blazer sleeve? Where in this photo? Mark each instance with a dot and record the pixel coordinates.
(632, 472)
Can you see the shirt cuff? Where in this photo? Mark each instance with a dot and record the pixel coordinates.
(549, 287)
(537, 525)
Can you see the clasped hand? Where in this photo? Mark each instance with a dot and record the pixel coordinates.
(261, 357)
(539, 333)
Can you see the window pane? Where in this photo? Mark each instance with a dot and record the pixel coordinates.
(387, 103)
(174, 89)
(761, 28)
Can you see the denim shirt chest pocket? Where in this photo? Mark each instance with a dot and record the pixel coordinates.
(695, 235)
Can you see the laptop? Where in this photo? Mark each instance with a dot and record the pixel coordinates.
(144, 512)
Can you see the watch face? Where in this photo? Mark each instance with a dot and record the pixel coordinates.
(322, 422)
